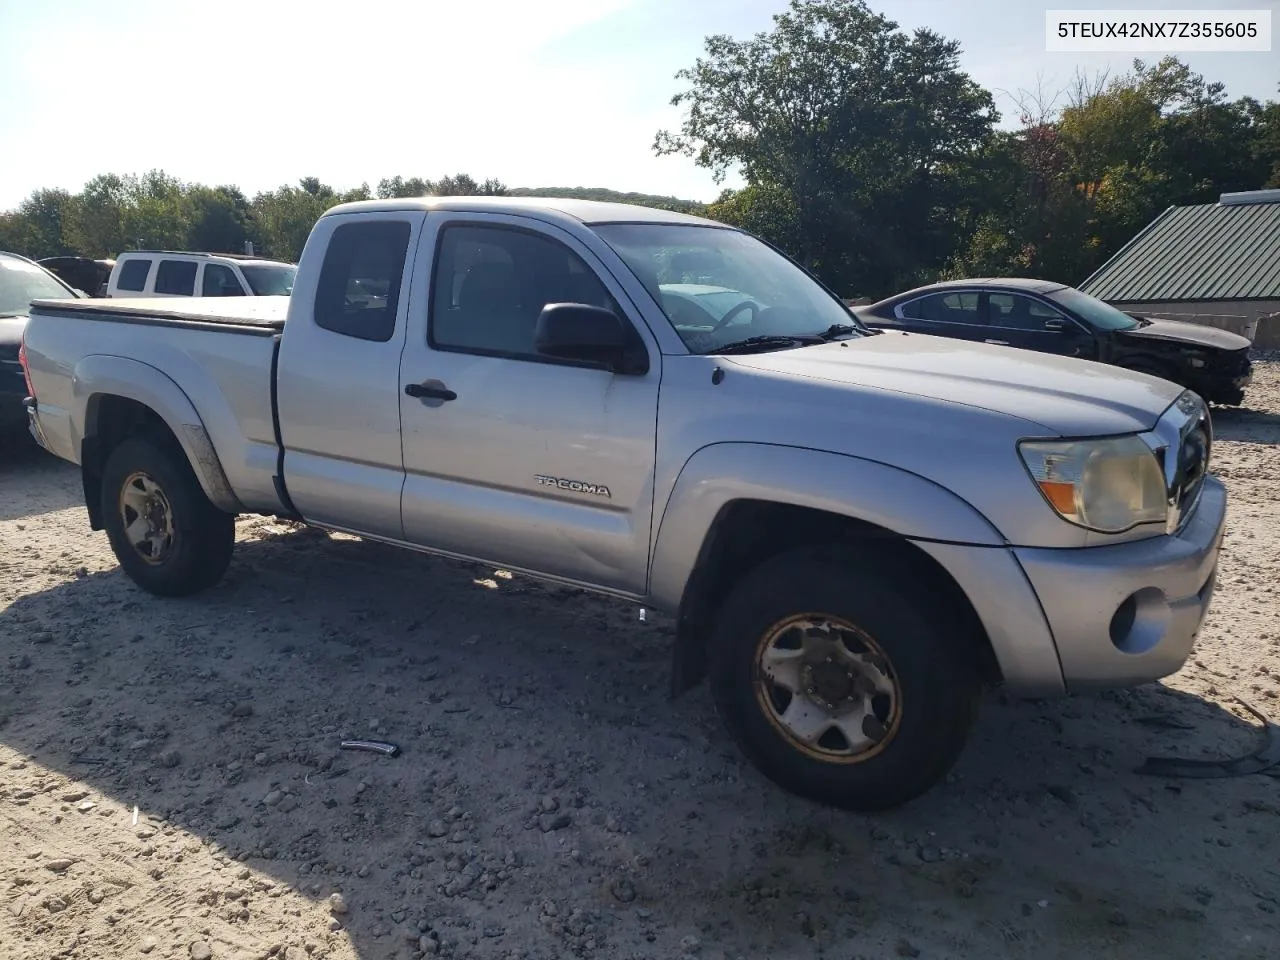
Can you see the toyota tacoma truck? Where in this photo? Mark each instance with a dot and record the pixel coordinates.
(856, 532)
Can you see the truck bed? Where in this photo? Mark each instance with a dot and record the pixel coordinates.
(265, 314)
(219, 352)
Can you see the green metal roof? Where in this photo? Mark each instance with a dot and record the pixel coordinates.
(1228, 250)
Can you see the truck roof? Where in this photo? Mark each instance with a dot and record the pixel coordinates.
(244, 258)
(552, 208)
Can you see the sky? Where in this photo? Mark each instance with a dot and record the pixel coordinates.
(259, 93)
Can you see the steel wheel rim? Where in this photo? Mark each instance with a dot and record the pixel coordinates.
(148, 518)
(827, 687)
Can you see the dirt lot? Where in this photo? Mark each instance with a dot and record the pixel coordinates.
(171, 783)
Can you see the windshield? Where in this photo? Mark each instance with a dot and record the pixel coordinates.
(22, 282)
(1094, 311)
(720, 286)
(270, 279)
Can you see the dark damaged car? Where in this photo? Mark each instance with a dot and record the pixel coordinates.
(1054, 318)
(21, 281)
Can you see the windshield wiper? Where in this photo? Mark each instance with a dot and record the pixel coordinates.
(766, 341)
(839, 330)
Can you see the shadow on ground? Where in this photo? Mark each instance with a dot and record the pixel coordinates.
(43, 476)
(550, 800)
(1246, 424)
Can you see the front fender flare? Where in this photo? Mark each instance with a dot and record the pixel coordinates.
(905, 503)
(101, 375)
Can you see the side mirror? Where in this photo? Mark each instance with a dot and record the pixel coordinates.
(593, 335)
(1055, 325)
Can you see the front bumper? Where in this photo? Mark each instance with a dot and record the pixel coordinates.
(1128, 614)
(1227, 385)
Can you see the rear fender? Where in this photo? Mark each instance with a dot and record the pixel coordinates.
(98, 376)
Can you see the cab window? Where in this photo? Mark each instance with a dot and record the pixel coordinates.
(359, 287)
(176, 277)
(491, 284)
(133, 275)
(220, 281)
(944, 308)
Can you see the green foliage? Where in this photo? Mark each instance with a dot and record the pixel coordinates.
(611, 196)
(117, 212)
(866, 131)
(767, 211)
(39, 223)
(868, 155)
(1090, 178)
(460, 185)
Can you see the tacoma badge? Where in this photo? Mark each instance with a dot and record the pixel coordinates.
(577, 486)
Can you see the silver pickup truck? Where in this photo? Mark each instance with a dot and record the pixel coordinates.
(855, 531)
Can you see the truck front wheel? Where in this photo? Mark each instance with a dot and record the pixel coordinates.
(166, 534)
(840, 681)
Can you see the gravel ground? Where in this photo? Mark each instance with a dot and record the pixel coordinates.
(171, 783)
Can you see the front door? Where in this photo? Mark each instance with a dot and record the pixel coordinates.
(511, 457)
(1029, 323)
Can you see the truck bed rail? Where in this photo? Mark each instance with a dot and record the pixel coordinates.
(263, 316)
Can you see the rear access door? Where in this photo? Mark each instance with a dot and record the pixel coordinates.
(338, 391)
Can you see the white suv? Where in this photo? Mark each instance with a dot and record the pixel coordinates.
(165, 273)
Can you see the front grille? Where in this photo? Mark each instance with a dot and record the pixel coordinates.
(1239, 363)
(1193, 467)
(1190, 465)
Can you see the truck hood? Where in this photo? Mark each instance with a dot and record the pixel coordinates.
(1063, 395)
(1191, 334)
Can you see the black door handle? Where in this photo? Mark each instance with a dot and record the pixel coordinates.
(423, 392)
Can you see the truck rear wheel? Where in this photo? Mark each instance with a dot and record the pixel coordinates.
(840, 682)
(167, 535)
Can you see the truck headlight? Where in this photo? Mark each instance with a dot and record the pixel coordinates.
(1109, 485)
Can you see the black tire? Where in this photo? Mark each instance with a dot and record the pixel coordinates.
(202, 536)
(936, 680)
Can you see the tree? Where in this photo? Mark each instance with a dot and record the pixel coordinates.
(219, 219)
(1088, 177)
(860, 126)
(1266, 145)
(38, 227)
(96, 226)
(763, 210)
(400, 187)
(155, 211)
(459, 185)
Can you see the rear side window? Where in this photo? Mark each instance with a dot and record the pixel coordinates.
(944, 308)
(359, 287)
(133, 275)
(220, 281)
(176, 277)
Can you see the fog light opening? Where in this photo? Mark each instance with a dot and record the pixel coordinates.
(1141, 621)
(1122, 620)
